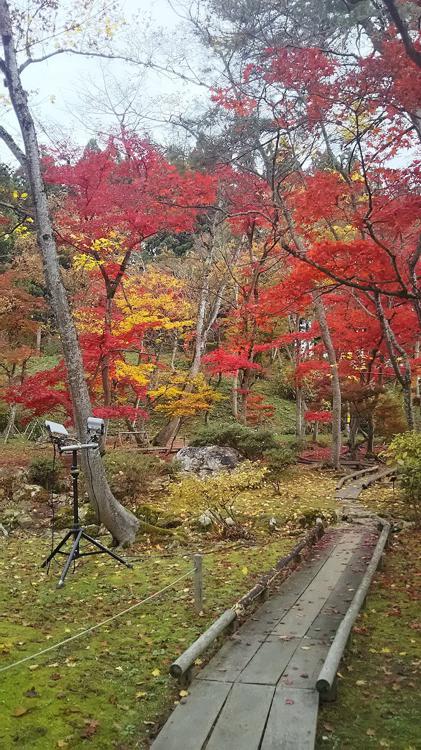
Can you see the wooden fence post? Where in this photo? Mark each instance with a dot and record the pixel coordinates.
(198, 583)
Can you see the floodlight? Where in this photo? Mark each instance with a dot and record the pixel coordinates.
(95, 425)
(56, 430)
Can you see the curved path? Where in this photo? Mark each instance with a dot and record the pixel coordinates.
(258, 692)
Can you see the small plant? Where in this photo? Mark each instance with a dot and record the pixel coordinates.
(217, 495)
(252, 444)
(405, 451)
(45, 473)
(132, 474)
(277, 460)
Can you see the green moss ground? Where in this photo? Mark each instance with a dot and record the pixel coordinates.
(104, 689)
(111, 688)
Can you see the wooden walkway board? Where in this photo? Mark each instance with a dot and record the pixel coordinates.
(230, 661)
(269, 662)
(292, 720)
(258, 692)
(243, 718)
(305, 664)
(190, 724)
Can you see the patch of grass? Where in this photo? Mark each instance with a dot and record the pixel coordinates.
(112, 686)
(380, 683)
(388, 501)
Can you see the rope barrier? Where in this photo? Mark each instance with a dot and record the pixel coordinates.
(98, 625)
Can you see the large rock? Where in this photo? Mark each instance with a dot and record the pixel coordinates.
(208, 459)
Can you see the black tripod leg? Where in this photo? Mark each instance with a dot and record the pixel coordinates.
(72, 556)
(56, 549)
(103, 548)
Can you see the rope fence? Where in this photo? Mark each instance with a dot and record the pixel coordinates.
(99, 624)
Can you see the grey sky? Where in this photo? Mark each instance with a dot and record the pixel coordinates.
(58, 87)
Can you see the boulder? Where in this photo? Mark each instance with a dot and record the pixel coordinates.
(208, 459)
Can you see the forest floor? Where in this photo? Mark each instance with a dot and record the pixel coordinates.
(111, 687)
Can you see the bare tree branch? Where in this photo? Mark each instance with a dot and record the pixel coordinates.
(13, 146)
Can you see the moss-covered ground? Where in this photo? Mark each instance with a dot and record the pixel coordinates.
(379, 685)
(110, 688)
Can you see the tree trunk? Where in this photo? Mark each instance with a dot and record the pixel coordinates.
(320, 313)
(10, 423)
(299, 413)
(234, 396)
(38, 340)
(120, 522)
(370, 436)
(353, 432)
(404, 378)
(336, 386)
(169, 431)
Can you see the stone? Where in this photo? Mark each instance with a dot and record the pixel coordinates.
(13, 518)
(208, 459)
(273, 524)
(205, 521)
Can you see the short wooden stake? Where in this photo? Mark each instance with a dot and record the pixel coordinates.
(198, 583)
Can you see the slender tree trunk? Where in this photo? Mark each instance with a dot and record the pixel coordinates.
(234, 396)
(38, 340)
(370, 436)
(10, 423)
(336, 386)
(353, 432)
(320, 313)
(404, 377)
(120, 522)
(299, 413)
(168, 433)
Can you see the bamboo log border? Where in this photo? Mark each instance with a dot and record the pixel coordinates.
(182, 667)
(326, 682)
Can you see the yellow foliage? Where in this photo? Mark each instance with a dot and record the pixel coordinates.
(182, 398)
(139, 374)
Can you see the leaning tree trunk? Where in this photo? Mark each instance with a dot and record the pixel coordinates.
(120, 522)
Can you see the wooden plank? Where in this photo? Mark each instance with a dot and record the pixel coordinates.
(269, 662)
(242, 720)
(305, 664)
(301, 616)
(190, 724)
(292, 720)
(269, 614)
(232, 658)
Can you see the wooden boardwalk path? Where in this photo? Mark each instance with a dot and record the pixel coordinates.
(258, 692)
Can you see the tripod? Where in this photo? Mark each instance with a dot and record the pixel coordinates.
(77, 531)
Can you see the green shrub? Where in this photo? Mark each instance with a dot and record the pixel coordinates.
(4, 415)
(252, 444)
(405, 451)
(45, 472)
(132, 474)
(277, 460)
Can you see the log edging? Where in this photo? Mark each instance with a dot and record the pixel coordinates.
(326, 682)
(182, 667)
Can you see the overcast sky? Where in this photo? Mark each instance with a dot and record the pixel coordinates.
(66, 92)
